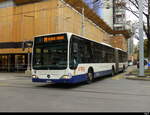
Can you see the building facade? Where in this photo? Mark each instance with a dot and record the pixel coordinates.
(107, 12)
(21, 20)
(111, 11)
(119, 15)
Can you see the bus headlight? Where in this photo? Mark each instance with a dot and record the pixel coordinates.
(34, 76)
(66, 77)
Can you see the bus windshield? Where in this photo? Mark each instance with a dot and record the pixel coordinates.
(50, 53)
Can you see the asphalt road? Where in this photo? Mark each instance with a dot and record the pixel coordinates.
(110, 94)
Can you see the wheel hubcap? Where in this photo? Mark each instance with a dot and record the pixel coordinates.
(90, 76)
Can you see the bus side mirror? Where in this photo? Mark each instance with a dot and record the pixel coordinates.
(75, 48)
(75, 63)
(75, 55)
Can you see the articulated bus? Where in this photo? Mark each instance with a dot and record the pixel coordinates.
(70, 58)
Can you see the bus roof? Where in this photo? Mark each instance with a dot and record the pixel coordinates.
(106, 44)
(94, 40)
(76, 35)
(120, 49)
(51, 34)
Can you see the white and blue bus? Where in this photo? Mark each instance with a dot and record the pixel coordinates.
(70, 58)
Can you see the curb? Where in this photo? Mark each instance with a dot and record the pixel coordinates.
(132, 77)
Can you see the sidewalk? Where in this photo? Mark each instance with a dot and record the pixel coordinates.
(133, 75)
(12, 75)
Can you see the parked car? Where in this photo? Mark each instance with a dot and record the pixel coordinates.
(145, 63)
(130, 63)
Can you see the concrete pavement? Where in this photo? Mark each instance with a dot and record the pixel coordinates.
(133, 75)
(110, 94)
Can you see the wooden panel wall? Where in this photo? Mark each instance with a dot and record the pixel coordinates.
(17, 24)
(6, 24)
(23, 22)
(119, 42)
(34, 19)
(71, 21)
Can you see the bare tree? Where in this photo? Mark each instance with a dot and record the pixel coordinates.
(133, 7)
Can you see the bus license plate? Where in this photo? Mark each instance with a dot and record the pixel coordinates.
(49, 81)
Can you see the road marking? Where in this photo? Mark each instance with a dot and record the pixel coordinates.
(118, 77)
(3, 84)
(24, 85)
(147, 86)
(2, 79)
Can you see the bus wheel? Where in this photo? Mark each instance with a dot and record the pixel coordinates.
(124, 68)
(90, 77)
(113, 71)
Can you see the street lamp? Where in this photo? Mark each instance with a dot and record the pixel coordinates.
(141, 51)
(83, 20)
(28, 44)
(82, 13)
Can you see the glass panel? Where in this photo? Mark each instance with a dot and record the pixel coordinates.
(89, 52)
(20, 62)
(50, 53)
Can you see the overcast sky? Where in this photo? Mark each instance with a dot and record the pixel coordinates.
(133, 19)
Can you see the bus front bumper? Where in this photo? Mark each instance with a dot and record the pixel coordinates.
(73, 80)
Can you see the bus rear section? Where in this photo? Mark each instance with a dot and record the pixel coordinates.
(121, 60)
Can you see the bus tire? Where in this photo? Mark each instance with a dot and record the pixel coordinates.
(113, 71)
(90, 76)
(124, 68)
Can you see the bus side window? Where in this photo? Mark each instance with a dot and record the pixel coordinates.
(87, 53)
(81, 52)
(103, 56)
(75, 53)
(75, 48)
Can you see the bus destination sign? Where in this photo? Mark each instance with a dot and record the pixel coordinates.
(53, 38)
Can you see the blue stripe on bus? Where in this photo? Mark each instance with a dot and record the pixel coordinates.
(102, 73)
(74, 79)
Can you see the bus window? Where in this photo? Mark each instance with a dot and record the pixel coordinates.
(74, 60)
(75, 47)
(80, 52)
(75, 55)
(50, 53)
